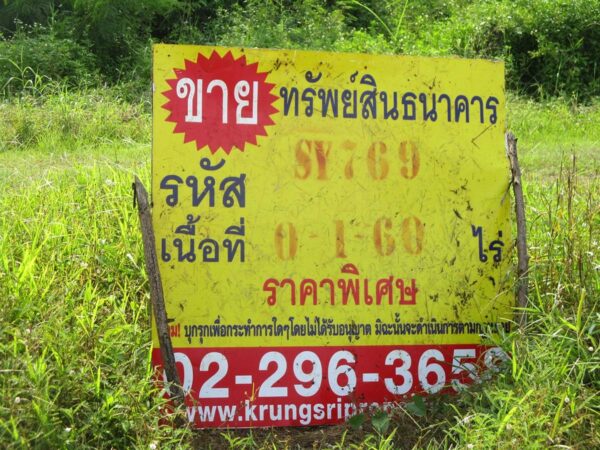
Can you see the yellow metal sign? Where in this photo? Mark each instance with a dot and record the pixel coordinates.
(316, 209)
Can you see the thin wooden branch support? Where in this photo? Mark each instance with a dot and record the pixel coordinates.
(522, 255)
(156, 294)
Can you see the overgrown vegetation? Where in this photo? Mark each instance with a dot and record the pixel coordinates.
(551, 47)
(75, 336)
(75, 127)
(66, 120)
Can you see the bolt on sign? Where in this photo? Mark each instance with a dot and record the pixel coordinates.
(332, 229)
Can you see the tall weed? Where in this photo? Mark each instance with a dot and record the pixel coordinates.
(74, 335)
(69, 120)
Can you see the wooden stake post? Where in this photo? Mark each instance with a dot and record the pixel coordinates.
(156, 295)
(522, 255)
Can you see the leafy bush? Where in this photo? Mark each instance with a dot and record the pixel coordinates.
(119, 31)
(360, 41)
(79, 37)
(14, 12)
(551, 47)
(284, 24)
(35, 56)
(398, 21)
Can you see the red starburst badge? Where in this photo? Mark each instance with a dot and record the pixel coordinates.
(220, 102)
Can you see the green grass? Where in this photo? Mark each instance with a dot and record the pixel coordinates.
(67, 121)
(74, 329)
(551, 132)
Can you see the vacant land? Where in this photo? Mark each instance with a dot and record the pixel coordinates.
(75, 366)
(74, 331)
